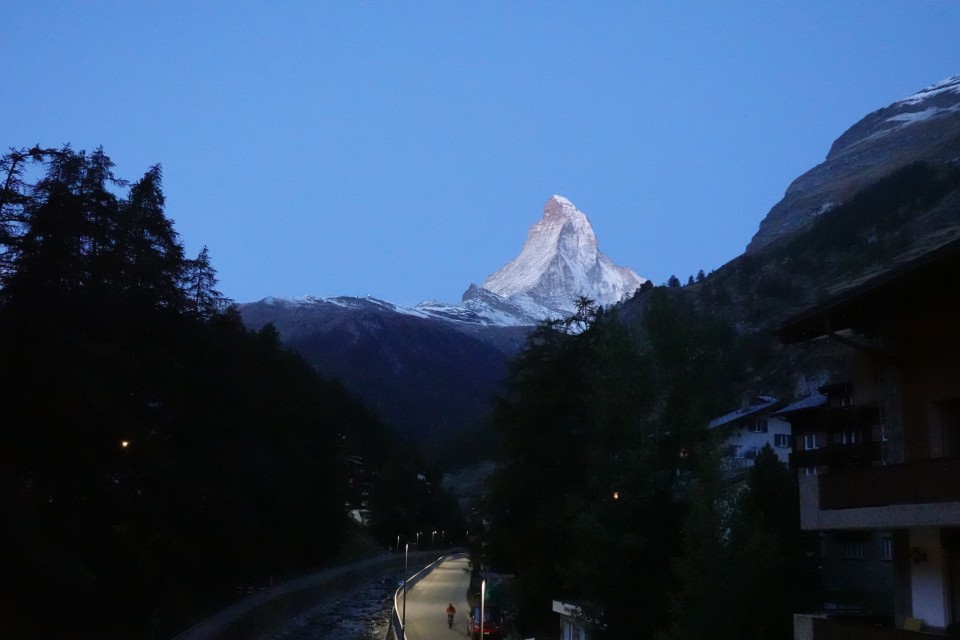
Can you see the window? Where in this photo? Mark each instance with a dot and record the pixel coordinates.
(781, 439)
(853, 550)
(840, 395)
(810, 442)
(887, 548)
(758, 425)
(849, 436)
(808, 471)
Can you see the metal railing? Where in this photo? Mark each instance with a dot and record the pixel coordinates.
(395, 631)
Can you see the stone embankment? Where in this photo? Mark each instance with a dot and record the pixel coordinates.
(265, 614)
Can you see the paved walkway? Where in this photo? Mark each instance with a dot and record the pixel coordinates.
(427, 602)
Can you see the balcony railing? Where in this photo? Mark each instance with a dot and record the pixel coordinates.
(838, 457)
(926, 482)
(830, 629)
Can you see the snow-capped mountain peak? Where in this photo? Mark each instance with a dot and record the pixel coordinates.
(561, 261)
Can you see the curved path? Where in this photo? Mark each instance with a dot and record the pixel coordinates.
(427, 602)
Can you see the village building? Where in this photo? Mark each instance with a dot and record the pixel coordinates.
(883, 458)
(749, 429)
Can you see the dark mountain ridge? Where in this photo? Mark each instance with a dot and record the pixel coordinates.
(420, 375)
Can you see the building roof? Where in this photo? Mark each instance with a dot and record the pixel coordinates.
(760, 404)
(810, 402)
(911, 280)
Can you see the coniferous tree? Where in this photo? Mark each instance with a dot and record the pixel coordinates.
(150, 456)
(47, 248)
(150, 249)
(740, 540)
(200, 280)
(13, 199)
(576, 461)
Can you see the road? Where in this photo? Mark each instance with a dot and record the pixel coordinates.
(427, 602)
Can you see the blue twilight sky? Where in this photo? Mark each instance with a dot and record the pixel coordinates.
(403, 149)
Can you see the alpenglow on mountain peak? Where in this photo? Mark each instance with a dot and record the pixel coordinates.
(560, 262)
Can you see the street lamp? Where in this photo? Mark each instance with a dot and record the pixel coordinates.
(432, 535)
(418, 540)
(403, 620)
(398, 544)
(483, 595)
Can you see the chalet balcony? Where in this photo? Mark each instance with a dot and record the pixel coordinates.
(838, 457)
(818, 628)
(925, 493)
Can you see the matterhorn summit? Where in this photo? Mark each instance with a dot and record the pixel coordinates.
(559, 263)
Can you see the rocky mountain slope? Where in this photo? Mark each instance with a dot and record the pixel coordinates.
(923, 126)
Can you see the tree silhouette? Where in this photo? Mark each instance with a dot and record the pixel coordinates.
(153, 452)
(200, 280)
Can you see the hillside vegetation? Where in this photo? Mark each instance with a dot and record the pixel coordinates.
(608, 490)
(155, 456)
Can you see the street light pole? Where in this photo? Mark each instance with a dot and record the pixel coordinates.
(403, 620)
(483, 597)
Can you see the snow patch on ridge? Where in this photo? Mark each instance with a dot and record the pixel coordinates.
(935, 99)
(950, 85)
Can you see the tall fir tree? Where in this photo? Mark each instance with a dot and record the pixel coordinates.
(200, 281)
